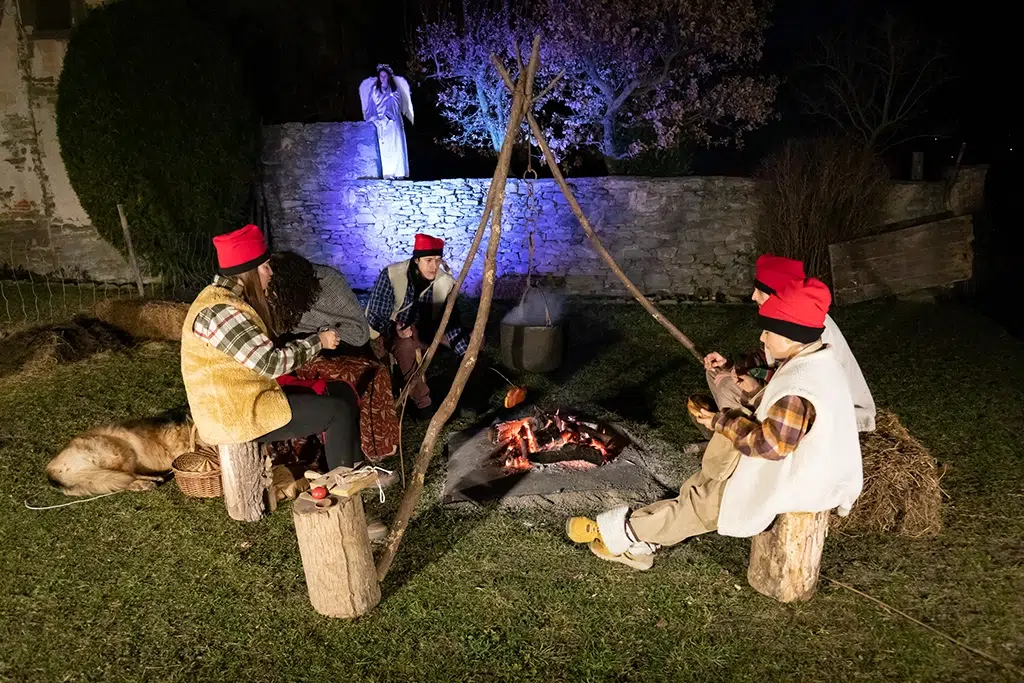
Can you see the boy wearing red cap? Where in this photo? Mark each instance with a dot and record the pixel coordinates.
(229, 363)
(405, 308)
(780, 464)
(773, 273)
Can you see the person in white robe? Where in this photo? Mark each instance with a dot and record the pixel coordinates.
(385, 100)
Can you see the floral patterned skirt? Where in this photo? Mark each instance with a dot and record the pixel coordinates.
(378, 421)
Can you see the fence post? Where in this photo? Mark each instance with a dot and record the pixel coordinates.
(131, 251)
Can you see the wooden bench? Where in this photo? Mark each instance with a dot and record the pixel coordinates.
(785, 559)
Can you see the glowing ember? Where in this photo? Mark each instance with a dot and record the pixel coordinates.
(562, 440)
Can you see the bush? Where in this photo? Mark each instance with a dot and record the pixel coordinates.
(152, 113)
(816, 192)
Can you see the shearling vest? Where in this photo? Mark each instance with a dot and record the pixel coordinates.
(824, 471)
(398, 274)
(230, 403)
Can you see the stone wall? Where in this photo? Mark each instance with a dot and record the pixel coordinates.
(42, 224)
(684, 237)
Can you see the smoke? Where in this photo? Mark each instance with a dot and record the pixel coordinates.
(537, 307)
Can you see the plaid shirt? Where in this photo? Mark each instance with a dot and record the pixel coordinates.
(229, 330)
(381, 306)
(773, 439)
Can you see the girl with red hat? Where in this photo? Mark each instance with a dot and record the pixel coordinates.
(778, 463)
(405, 308)
(229, 362)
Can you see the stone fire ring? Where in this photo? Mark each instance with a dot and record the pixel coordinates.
(647, 469)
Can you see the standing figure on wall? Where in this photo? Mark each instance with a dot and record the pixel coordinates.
(385, 99)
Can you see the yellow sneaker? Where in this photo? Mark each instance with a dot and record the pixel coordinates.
(582, 530)
(639, 562)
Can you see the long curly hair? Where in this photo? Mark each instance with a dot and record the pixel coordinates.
(391, 77)
(293, 290)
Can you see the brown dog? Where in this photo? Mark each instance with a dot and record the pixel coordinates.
(131, 455)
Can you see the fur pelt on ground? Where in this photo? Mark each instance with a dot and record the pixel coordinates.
(132, 455)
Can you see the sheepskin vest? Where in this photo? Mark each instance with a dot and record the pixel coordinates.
(824, 471)
(230, 403)
(863, 402)
(398, 273)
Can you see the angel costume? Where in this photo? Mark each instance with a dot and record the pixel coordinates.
(384, 108)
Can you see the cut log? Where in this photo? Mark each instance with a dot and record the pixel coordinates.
(786, 558)
(245, 476)
(336, 556)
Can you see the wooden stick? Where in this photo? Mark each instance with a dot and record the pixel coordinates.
(596, 241)
(447, 407)
(131, 251)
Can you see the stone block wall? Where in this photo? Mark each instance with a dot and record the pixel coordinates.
(681, 237)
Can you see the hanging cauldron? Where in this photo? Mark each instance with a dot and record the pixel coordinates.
(532, 347)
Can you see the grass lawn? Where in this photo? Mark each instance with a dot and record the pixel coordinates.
(147, 587)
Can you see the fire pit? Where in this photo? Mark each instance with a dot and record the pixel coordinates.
(549, 459)
(554, 440)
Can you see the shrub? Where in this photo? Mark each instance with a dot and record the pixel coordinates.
(815, 192)
(152, 113)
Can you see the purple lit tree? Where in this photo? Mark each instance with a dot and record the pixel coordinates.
(638, 74)
(454, 48)
(652, 74)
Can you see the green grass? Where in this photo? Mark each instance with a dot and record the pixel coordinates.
(147, 587)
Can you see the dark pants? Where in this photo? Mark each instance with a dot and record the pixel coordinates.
(336, 414)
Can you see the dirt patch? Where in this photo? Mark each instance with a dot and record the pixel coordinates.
(41, 348)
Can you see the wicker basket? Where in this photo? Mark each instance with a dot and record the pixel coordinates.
(198, 472)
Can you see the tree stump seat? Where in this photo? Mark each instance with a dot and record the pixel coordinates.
(785, 559)
(337, 559)
(245, 477)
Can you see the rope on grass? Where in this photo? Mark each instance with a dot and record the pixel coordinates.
(74, 502)
(948, 637)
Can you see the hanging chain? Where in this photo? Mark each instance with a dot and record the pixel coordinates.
(530, 177)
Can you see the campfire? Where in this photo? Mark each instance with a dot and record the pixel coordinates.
(553, 440)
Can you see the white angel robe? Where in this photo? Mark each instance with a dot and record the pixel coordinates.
(384, 110)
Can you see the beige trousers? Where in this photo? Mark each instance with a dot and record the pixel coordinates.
(695, 510)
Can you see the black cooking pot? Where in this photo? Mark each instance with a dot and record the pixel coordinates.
(531, 348)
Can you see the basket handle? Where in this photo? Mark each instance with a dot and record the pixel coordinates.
(192, 438)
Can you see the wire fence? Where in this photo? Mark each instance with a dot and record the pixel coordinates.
(30, 296)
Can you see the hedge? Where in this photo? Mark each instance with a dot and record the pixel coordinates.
(152, 113)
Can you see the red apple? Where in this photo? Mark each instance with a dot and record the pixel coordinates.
(319, 493)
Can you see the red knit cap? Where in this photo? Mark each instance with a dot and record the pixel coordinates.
(241, 250)
(798, 311)
(773, 273)
(425, 245)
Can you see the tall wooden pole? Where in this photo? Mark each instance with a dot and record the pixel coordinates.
(520, 97)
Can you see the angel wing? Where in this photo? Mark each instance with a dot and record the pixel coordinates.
(364, 93)
(405, 96)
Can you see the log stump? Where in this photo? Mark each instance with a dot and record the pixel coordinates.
(785, 559)
(336, 556)
(245, 478)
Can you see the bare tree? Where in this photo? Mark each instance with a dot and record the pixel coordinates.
(876, 87)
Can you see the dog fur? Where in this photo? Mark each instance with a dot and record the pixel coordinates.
(132, 455)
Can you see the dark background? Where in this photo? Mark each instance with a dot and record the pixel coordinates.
(307, 57)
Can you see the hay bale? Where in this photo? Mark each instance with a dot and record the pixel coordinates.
(144, 319)
(901, 492)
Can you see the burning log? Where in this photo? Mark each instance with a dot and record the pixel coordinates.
(545, 439)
